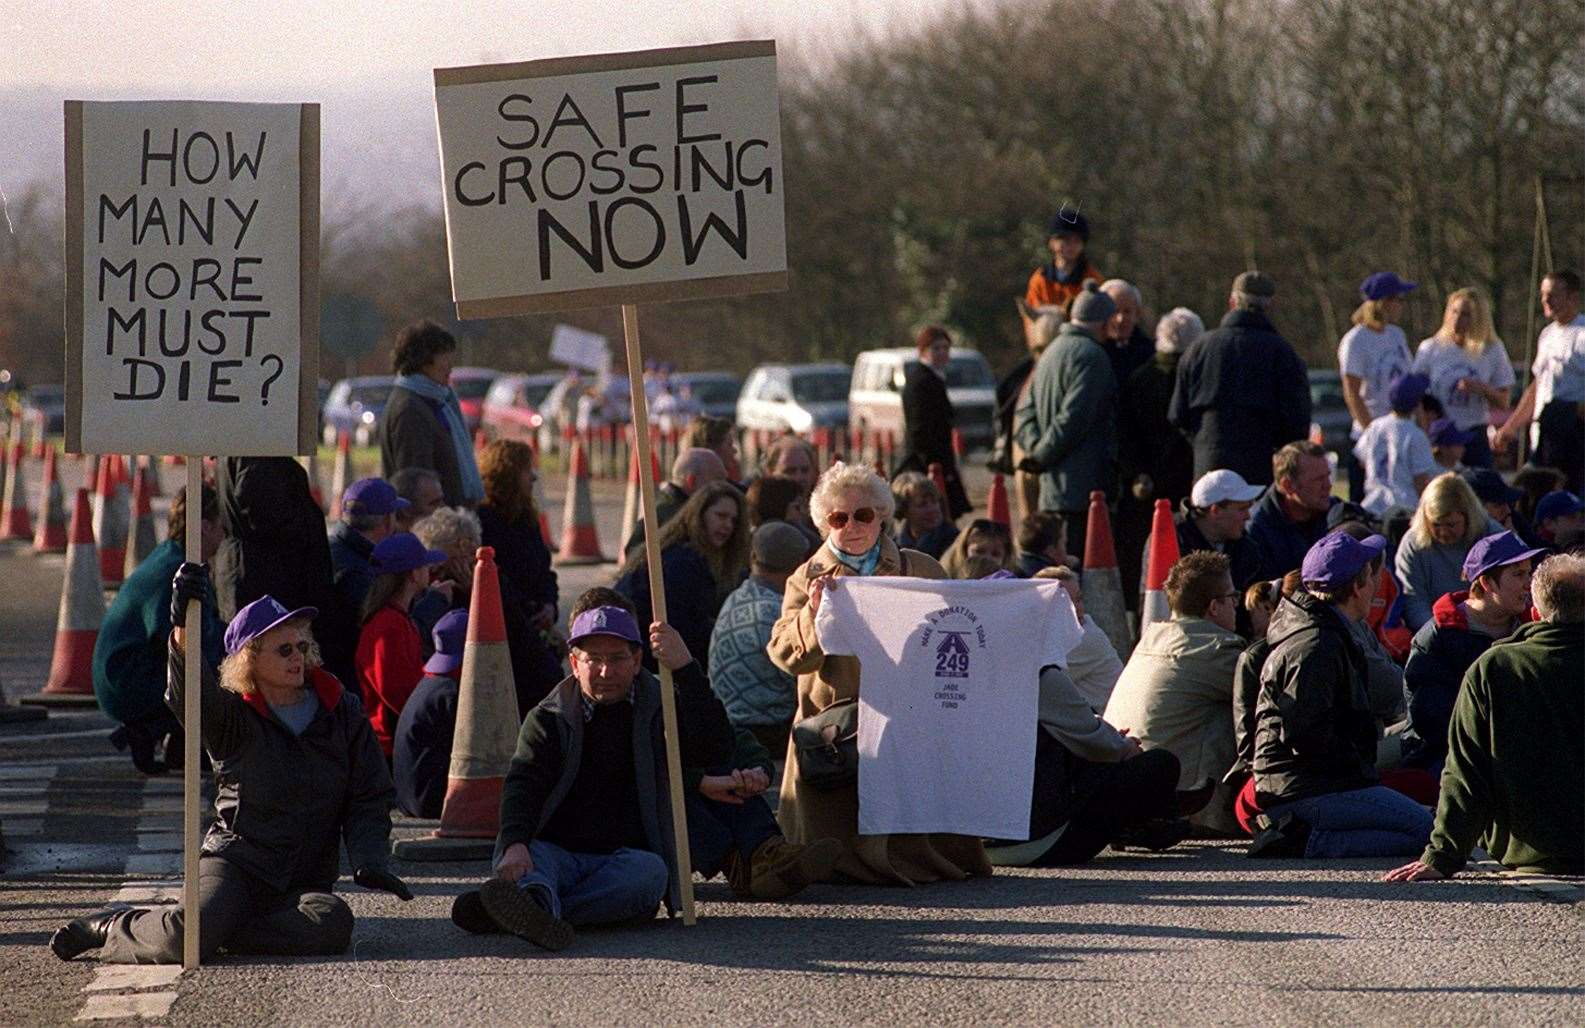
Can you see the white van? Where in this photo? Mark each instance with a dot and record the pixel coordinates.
(875, 400)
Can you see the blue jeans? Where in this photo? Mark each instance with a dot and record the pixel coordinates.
(1373, 822)
(715, 829)
(596, 888)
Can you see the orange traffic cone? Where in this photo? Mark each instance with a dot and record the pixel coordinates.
(51, 535)
(485, 737)
(1163, 553)
(996, 502)
(1103, 583)
(340, 472)
(310, 465)
(579, 542)
(16, 521)
(544, 518)
(144, 536)
(82, 609)
(111, 517)
(957, 443)
(632, 498)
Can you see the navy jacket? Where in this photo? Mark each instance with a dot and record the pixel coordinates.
(422, 758)
(350, 552)
(1283, 542)
(528, 582)
(1443, 649)
(692, 602)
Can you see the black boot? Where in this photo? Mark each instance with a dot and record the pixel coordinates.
(141, 742)
(83, 934)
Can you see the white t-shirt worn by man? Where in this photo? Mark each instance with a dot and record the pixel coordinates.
(1444, 362)
(1393, 450)
(1560, 364)
(1376, 358)
(948, 697)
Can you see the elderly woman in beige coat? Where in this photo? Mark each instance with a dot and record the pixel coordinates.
(849, 505)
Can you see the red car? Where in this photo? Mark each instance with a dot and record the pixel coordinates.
(471, 385)
(512, 406)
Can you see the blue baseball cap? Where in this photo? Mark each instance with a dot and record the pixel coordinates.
(1559, 504)
(1489, 486)
(372, 496)
(604, 621)
(1444, 432)
(1405, 391)
(1339, 558)
(1384, 284)
(1495, 551)
(259, 617)
(451, 637)
(403, 552)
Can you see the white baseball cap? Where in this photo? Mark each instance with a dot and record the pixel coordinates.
(1222, 485)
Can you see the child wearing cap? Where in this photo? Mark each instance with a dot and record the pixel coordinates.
(1395, 451)
(1448, 443)
(422, 753)
(390, 655)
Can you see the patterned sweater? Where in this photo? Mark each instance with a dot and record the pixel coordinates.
(753, 690)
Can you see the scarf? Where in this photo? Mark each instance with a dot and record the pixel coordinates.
(863, 564)
(451, 415)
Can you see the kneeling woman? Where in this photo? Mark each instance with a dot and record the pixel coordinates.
(297, 770)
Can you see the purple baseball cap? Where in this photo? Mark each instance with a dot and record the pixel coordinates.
(1495, 551)
(372, 496)
(259, 617)
(1384, 284)
(1444, 432)
(1405, 391)
(451, 637)
(403, 552)
(1339, 558)
(604, 621)
(1559, 504)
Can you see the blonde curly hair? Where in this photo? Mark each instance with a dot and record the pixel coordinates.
(236, 671)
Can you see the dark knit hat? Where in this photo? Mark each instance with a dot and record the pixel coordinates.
(1093, 305)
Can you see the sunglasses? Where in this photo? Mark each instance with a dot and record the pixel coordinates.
(839, 518)
(285, 650)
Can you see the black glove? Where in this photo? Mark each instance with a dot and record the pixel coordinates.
(382, 881)
(191, 582)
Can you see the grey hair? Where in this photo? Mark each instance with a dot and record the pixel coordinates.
(842, 477)
(1177, 330)
(696, 461)
(452, 529)
(1125, 286)
(1249, 301)
(1558, 589)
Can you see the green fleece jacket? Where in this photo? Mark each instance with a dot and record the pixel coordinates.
(1515, 774)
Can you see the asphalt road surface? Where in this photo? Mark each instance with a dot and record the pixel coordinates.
(1197, 935)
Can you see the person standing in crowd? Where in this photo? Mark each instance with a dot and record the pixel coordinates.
(691, 470)
(759, 696)
(793, 458)
(1127, 346)
(1011, 392)
(1041, 543)
(1516, 746)
(1242, 392)
(1292, 516)
(1468, 369)
(1068, 424)
(1315, 733)
(422, 490)
(421, 758)
(719, 436)
(1555, 398)
(983, 538)
(509, 523)
(130, 651)
(422, 425)
(851, 502)
(1093, 664)
(928, 416)
(1464, 625)
(1430, 561)
(297, 770)
(1559, 520)
(390, 655)
(1059, 281)
(369, 509)
(1371, 355)
(1176, 692)
(923, 523)
(1394, 451)
(703, 555)
(1214, 518)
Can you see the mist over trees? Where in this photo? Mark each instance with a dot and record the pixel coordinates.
(1319, 140)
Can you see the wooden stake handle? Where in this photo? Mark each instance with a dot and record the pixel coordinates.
(191, 728)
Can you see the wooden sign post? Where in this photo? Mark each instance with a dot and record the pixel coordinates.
(616, 179)
(192, 312)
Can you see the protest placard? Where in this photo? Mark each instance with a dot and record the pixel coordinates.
(578, 348)
(615, 178)
(192, 257)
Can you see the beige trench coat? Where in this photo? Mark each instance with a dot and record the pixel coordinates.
(806, 814)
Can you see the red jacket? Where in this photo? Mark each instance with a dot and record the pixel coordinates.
(390, 662)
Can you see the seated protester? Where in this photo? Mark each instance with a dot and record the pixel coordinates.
(1260, 602)
(1093, 665)
(983, 538)
(1176, 692)
(1464, 625)
(1395, 451)
(1516, 745)
(974, 568)
(1447, 444)
(1383, 674)
(1385, 619)
(1533, 483)
(421, 762)
(691, 470)
(1315, 734)
(1042, 543)
(759, 696)
(1500, 500)
(1560, 520)
(1446, 524)
(1214, 518)
(424, 494)
(369, 509)
(922, 515)
(297, 771)
(130, 650)
(389, 657)
(1246, 695)
(586, 830)
(456, 532)
(1291, 517)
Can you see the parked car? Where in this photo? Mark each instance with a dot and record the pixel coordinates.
(560, 408)
(875, 401)
(471, 385)
(46, 405)
(354, 405)
(795, 397)
(513, 404)
(1330, 420)
(713, 392)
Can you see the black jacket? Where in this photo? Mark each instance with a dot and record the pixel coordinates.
(421, 760)
(692, 599)
(1242, 394)
(522, 561)
(927, 432)
(1148, 444)
(1443, 649)
(1314, 729)
(413, 435)
(350, 553)
(1247, 562)
(669, 498)
(284, 801)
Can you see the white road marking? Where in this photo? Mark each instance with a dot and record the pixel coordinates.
(108, 977)
(124, 1005)
(27, 772)
(22, 808)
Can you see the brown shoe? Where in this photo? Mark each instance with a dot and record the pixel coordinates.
(780, 869)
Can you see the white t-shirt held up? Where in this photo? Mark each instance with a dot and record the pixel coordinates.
(948, 697)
